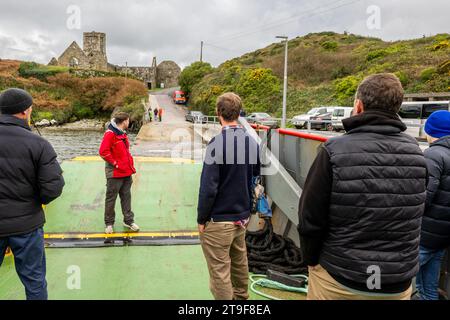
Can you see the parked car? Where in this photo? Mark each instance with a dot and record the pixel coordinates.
(195, 117)
(301, 121)
(263, 119)
(339, 114)
(322, 122)
(415, 115)
(179, 97)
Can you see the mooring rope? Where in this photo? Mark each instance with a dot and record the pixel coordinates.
(268, 250)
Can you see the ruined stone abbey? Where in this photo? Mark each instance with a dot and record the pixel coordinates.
(93, 57)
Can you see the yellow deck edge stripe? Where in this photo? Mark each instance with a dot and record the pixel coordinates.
(137, 159)
(62, 236)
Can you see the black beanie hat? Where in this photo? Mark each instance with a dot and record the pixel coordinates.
(14, 101)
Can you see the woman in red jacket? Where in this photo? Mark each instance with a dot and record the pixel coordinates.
(115, 150)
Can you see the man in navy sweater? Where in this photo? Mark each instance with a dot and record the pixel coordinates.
(224, 205)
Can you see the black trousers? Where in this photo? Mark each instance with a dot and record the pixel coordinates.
(121, 187)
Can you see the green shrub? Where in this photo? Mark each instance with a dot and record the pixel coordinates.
(252, 60)
(340, 72)
(81, 111)
(441, 45)
(38, 71)
(372, 55)
(329, 45)
(135, 110)
(427, 74)
(194, 74)
(61, 116)
(403, 77)
(345, 88)
(325, 33)
(259, 88)
(41, 115)
(444, 67)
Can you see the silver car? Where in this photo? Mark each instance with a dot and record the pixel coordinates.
(195, 117)
(263, 119)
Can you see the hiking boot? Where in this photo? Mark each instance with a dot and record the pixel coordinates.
(133, 226)
(109, 230)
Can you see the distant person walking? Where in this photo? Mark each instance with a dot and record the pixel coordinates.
(361, 208)
(160, 113)
(30, 176)
(155, 112)
(224, 203)
(435, 237)
(115, 150)
(150, 115)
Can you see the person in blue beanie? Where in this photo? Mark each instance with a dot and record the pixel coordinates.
(435, 235)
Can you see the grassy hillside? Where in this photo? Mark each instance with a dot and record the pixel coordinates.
(68, 95)
(325, 69)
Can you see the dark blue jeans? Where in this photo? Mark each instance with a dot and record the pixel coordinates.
(29, 258)
(427, 281)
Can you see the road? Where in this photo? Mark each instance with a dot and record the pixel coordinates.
(173, 114)
(173, 137)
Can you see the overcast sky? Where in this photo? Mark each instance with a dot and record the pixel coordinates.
(137, 30)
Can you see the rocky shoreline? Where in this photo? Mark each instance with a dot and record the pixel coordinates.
(82, 125)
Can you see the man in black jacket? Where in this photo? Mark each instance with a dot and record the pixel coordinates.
(30, 176)
(435, 237)
(362, 204)
(224, 204)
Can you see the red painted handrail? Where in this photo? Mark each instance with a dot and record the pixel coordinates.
(292, 133)
(260, 127)
(302, 135)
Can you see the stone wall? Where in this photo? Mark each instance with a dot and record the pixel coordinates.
(93, 57)
(94, 46)
(74, 57)
(168, 73)
(146, 74)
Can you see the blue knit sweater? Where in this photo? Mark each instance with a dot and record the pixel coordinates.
(232, 160)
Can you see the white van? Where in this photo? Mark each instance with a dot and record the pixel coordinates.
(415, 115)
(339, 114)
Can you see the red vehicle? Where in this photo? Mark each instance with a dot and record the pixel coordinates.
(179, 97)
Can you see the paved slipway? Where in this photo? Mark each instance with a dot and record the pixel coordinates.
(171, 138)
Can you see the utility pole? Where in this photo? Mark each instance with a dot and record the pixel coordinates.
(126, 70)
(285, 88)
(201, 52)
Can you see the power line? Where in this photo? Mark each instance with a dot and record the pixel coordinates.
(220, 48)
(274, 22)
(287, 21)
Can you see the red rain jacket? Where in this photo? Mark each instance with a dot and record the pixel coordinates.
(115, 150)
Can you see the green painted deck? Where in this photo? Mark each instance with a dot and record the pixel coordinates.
(125, 273)
(164, 198)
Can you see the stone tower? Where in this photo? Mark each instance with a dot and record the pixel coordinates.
(94, 45)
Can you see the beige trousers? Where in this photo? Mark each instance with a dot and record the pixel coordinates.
(321, 286)
(226, 255)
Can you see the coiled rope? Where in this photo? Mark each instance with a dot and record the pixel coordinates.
(268, 250)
